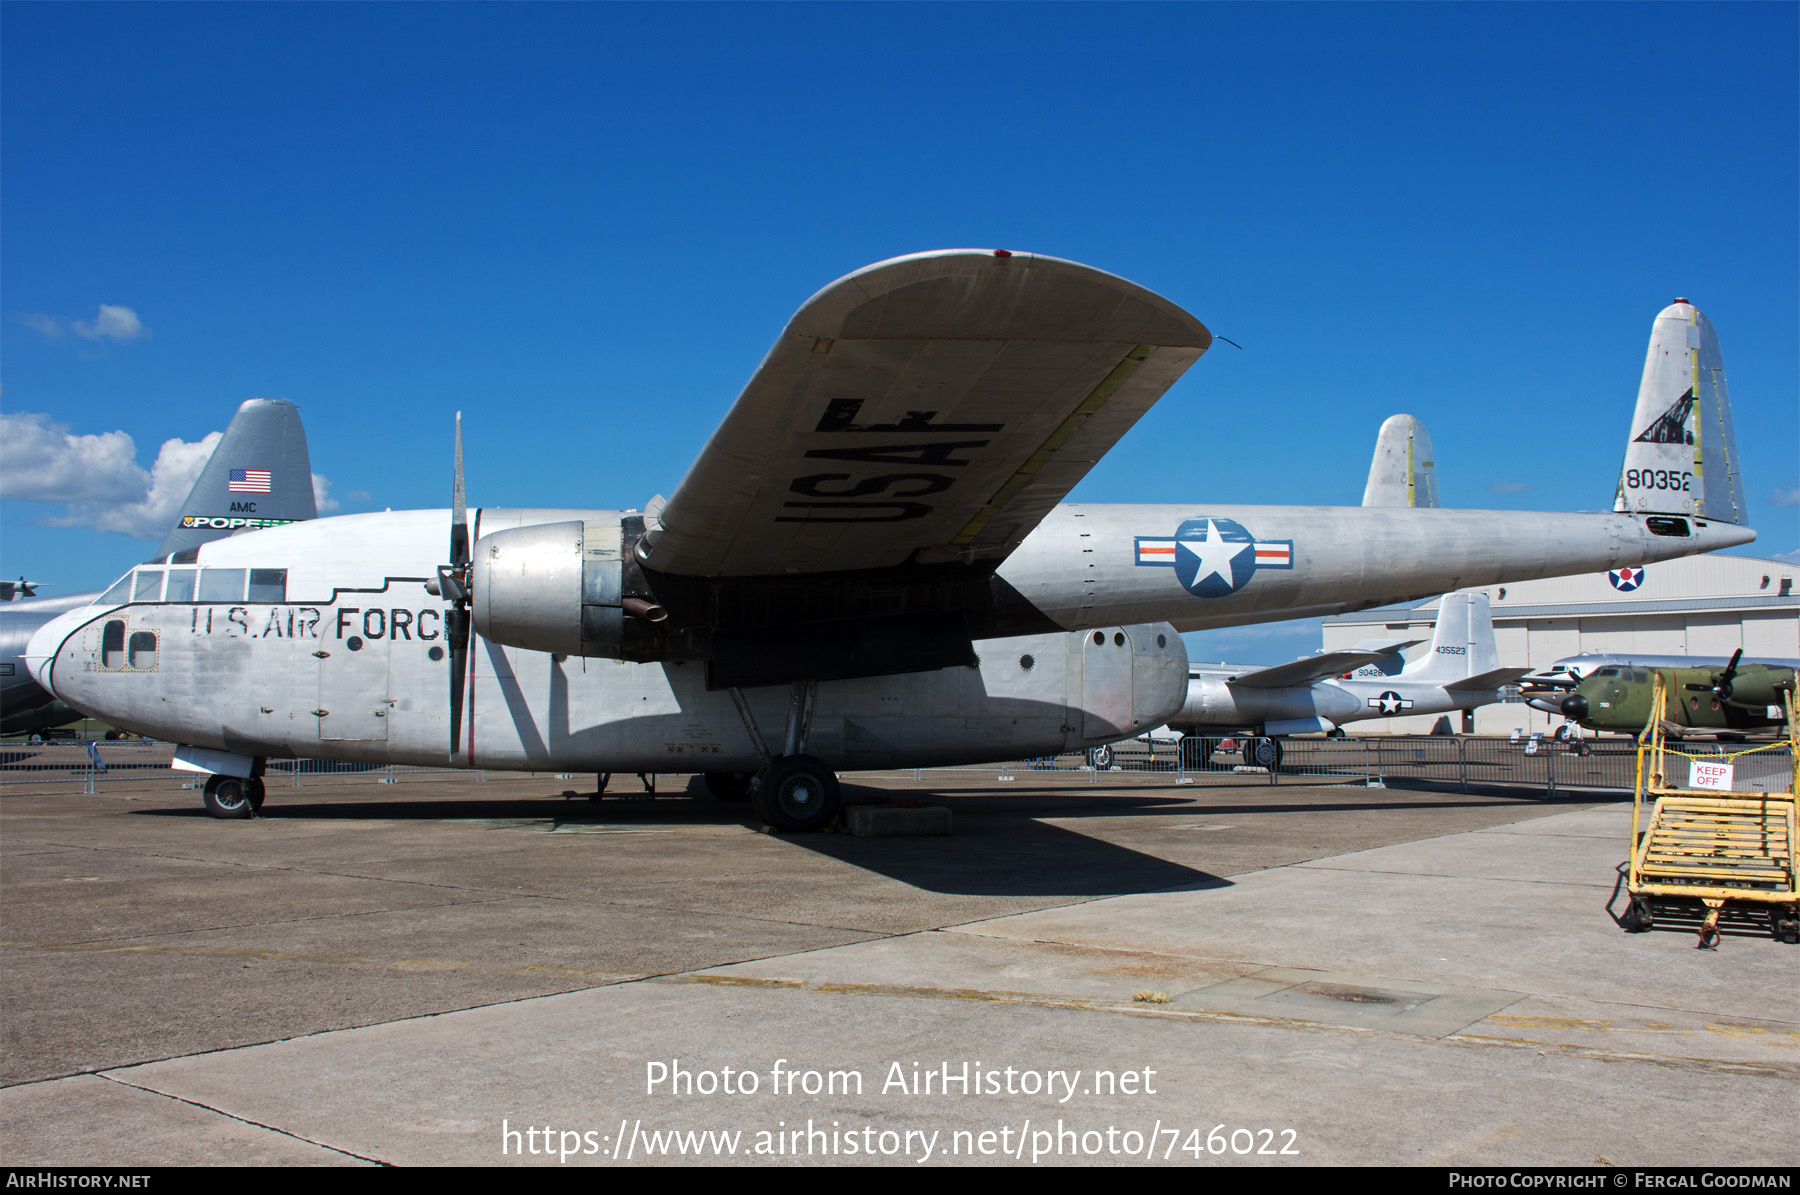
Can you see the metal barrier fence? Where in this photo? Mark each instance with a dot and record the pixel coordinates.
(1546, 764)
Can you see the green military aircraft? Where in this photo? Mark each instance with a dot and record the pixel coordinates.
(1727, 702)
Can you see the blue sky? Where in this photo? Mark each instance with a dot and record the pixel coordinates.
(583, 225)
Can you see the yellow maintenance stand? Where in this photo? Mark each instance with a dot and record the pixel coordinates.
(1712, 844)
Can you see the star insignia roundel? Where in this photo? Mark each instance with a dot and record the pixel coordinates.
(1625, 579)
(1214, 557)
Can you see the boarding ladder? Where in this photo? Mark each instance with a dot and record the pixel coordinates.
(1712, 845)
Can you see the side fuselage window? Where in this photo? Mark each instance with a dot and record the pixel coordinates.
(112, 645)
(143, 649)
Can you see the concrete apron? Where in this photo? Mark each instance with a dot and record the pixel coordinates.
(1459, 1000)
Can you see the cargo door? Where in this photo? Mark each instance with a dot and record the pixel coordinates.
(353, 680)
(1106, 684)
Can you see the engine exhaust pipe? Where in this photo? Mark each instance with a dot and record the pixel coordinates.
(637, 607)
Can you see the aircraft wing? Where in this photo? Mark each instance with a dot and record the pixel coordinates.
(1308, 670)
(927, 409)
(1487, 680)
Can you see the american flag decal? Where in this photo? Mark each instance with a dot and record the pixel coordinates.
(249, 481)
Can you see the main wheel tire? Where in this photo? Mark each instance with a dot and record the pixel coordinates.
(1100, 758)
(797, 794)
(1263, 753)
(729, 786)
(227, 797)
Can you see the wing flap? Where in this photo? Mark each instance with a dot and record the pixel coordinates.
(931, 408)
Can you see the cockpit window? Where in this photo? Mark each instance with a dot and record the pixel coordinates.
(119, 594)
(268, 585)
(181, 585)
(148, 587)
(222, 584)
(1609, 670)
(1639, 676)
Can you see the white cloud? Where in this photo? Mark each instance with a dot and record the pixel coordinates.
(41, 461)
(1787, 557)
(49, 325)
(1789, 497)
(97, 477)
(322, 495)
(112, 322)
(177, 468)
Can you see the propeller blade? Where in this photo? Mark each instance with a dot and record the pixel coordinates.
(1730, 673)
(456, 630)
(459, 507)
(453, 583)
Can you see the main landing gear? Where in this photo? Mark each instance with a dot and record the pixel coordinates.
(792, 792)
(797, 794)
(1263, 753)
(232, 797)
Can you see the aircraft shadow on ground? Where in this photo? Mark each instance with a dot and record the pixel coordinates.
(1000, 848)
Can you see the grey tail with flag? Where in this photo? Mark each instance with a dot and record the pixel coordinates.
(260, 475)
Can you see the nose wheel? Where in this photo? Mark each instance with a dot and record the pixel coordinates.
(797, 794)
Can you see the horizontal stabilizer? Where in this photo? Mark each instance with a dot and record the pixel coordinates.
(1308, 670)
(1493, 679)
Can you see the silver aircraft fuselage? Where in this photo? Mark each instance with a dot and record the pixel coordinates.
(344, 659)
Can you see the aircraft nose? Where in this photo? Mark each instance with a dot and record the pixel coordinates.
(1575, 706)
(46, 641)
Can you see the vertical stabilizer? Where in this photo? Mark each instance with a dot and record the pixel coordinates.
(1682, 455)
(1402, 473)
(260, 475)
(1462, 642)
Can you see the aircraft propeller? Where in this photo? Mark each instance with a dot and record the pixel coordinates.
(453, 584)
(1721, 685)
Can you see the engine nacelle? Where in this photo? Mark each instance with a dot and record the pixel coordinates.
(561, 587)
(1214, 701)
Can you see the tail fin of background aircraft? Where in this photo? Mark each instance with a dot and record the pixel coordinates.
(1462, 642)
(1682, 456)
(1402, 473)
(260, 475)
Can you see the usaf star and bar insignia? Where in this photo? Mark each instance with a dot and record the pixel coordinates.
(1625, 579)
(1214, 557)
